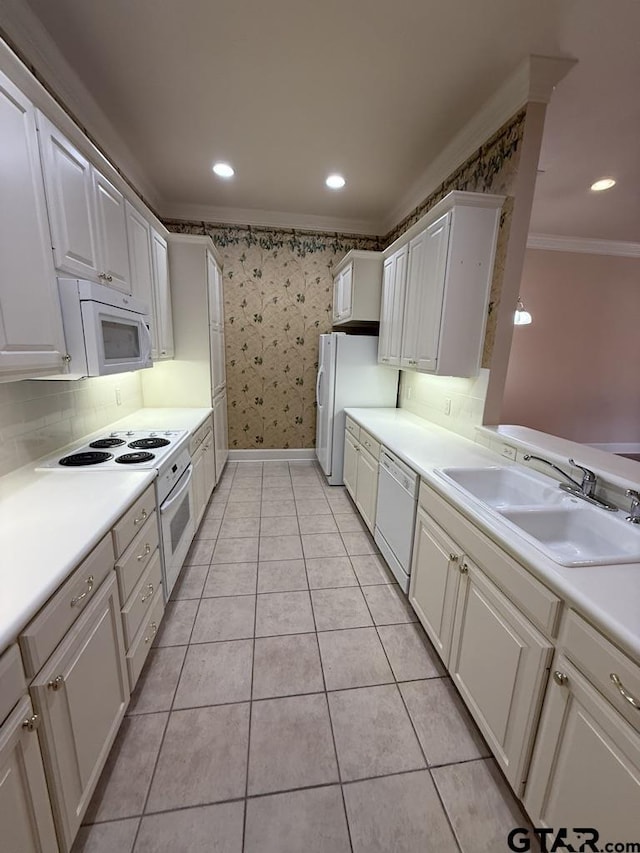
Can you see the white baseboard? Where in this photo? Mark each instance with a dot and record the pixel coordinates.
(295, 454)
(620, 447)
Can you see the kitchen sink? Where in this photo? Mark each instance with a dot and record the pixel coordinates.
(579, 535)
(569, 531)
(501, 487)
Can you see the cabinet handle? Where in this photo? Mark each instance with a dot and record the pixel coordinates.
(560, 678)
(145, 553)
(56, 683)
(149, 593)
(89, 582)
(631, 699)
(453, 558)
(464, 569)
(142, 517)
(153, 632)
(31, 723)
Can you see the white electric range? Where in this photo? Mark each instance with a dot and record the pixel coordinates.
(165, 450)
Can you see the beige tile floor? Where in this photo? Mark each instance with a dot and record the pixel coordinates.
(291, 702)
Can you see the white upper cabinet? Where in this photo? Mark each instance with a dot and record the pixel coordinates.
(31, 336)
(392, 309)
(214, 287)
(112, 233)
(87, 214)
(140, 258)
(356, 288)
(163, 314)
(439, 325)
(70, 201)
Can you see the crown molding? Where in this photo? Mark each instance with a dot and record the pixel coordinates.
(269, 219)
(583, 245)
(533, 80)
(24, 29)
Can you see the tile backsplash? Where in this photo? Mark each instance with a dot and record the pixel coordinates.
(427, 396)
(38, 417)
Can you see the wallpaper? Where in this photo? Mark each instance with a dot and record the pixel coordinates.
(277, 296)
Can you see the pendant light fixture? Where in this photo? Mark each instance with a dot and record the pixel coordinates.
(522, 317)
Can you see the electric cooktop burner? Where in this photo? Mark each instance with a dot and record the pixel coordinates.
(86, 458)
(135, 458)
(108, 442)
(148, 443)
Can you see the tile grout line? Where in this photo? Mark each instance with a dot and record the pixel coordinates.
(253, 659)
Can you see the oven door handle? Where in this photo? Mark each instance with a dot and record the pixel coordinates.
(166, 506)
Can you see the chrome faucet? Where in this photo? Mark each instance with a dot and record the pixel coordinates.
(634, 509)
(584, 490)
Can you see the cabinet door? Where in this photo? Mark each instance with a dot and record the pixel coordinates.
(367, 487)
(220, 433)
(434, 581)
(337, 297)
(411, 321)
(431, 274)
(218, 368)
(163, 316)
(209, 466)
(112, 234)
(81, 694)
(585, 769)
(70, 201)
(498, 662)
(346, 293)
(350, 467)
(216, 300)
(397, 306)
(141, 265)
(31, 337)
(25, 812)
(386, 310)
(198, 484)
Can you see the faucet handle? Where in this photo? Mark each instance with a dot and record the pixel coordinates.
(634, 509)
(589, 475)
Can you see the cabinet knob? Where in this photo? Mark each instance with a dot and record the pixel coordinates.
(560, 678)
(31, 723)
(56, 683)
(464, 569)
(453, 558)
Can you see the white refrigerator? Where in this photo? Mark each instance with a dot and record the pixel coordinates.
(348, 375)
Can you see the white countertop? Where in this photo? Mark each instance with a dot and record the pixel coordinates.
(609, 596)
(51, 520)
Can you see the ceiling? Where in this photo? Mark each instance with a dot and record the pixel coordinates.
(291, 90)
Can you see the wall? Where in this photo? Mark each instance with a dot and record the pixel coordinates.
(278, 289)
(426, 396)
(574, 371)
(37, 417)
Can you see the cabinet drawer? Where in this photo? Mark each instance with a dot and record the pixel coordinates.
(199, 436)
(137, 654)
(131, 565)
(370, 444)
(43, 633)
(12, 680)
(599, 660)
(133, 519)
(139, 602)
(532, 597)
(353, 428)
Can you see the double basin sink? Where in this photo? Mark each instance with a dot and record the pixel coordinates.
(565, 528)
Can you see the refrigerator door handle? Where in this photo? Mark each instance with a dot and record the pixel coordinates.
(318, 382)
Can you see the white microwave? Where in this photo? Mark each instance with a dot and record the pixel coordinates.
(105, 331)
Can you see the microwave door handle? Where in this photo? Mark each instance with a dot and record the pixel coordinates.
(168, 504)
(147, 355)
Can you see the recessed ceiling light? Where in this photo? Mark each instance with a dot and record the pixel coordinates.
(335, 182)
(223, 170)
(603, 184)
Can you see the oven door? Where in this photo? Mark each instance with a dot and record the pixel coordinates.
(178, 529)
(116, 340)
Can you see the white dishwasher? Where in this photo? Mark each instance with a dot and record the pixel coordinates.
(396, 515)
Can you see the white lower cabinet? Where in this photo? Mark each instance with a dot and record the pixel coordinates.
(25, 812)
(498, 663)
(81, 695)
(367, 487)
(585, 770)
(350, 470)
(198, 484)
(434, 581)
(220, 433)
